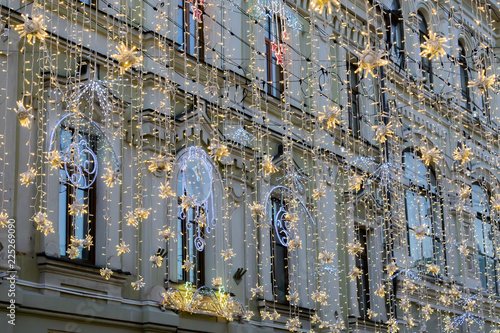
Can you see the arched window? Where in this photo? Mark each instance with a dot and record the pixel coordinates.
(487, 262)
(464, 77)
(396, 33)
(426, 62)
(423, 213)
(279, 251)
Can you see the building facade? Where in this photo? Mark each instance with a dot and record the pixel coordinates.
(249, 166)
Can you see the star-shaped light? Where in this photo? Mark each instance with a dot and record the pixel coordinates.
(139, 284)
(257, 209)
(43, 224)
(462, 154)
(483, 82)
(370, 59)
(165, 191)
(228, 254)
(495, 202)
(141, 212)
(127, 57)
(380, 292)
(433, 46)
(157, 260)
(187, 265)
(131, 219)
(4, 219)
(320, 5)
(122, 248)
(371, 314)
(293, 298)
(106, 273)
(78, 209)
(320, 297)
(464, 193)
(32, 28)
(268, 166)
(166, 234)
(391, 268)
(427, 310)
(354, 274)
(326, 257)
(54, 159)
(218, 151)
(217, 282)
(24, 114)
(430, 155)
(295, 243)
(383, 131)
(354, 248)
(421, 231)
(392, 325)
(187, 202)
(28, 177)
(319, 192)
(293, 324)
(160, 163)
(258, 291)
(87, 242)
(355, 182)
(331, 115)
(463, 249)
(73, 252)
(433, 269)
(315, 319)
(110, 177)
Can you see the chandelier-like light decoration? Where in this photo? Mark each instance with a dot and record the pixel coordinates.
(32, 29)
(483, 81)
(320, 5)
(127, 58)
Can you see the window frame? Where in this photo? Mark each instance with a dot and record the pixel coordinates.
(353, 100)
(363, 282)
(276, 205)
(274, 72)
(485, 219)
(434, 199)
(190, 40)
(395, 34)
(91, 201)
(426, 63)
(464, 77)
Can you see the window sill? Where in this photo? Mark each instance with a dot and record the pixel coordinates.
(79, 276)
(283, 309)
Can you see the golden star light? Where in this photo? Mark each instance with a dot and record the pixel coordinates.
(433, 269)
(166, 234)
(370, 59)
(142, 213)
(462, 155)
(320, 5)
(483, 82)
(187, 265)
(354, 274)
(24, 114)
(383, 132)
(106, 273)
(326, 257)
(78, 209)
(495, 202)
(139, 284)
(331, 115)
(433, 46)
(257, 209)
(355, 182)
(228, 254)
(157, 260)
(54, 159)
(165, 191)
(430, 155)
(28, 177)
(4, 219)
(122, 248)
(421, 231)
(32, 28)
(268, 166)
(127, 58)
(354, 248)
(110, 177)
(218, 151)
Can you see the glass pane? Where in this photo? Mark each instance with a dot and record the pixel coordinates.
(63, 204)
(427, 249)
(488, 240)
(480, 200)
(482, 270)
(412, 209)
(478, 226)
(415, 248)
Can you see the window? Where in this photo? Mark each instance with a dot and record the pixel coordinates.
(274, 71)
(464, 77)
(363, 281)
(423, 213)
(279, 252)
(485, 105)
(187, 236)
(487, 262)
(76, 187)
(426, 62)
(395, 38)
(353, 99)
(190, 31)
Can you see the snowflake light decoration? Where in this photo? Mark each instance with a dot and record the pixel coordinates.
(268, 166)
(127, 58)
(483, 82)
(106, 273)
(54, 159)
(139, 284)
(433, 46)
(320, 5)
(4, 219)
(462, 155)
(331, 115)
(32, 28)
(370, 59)
(430, 155)
(24, 114)
(218, 151)
(383, 132)
(122, 248)
(28, 177)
